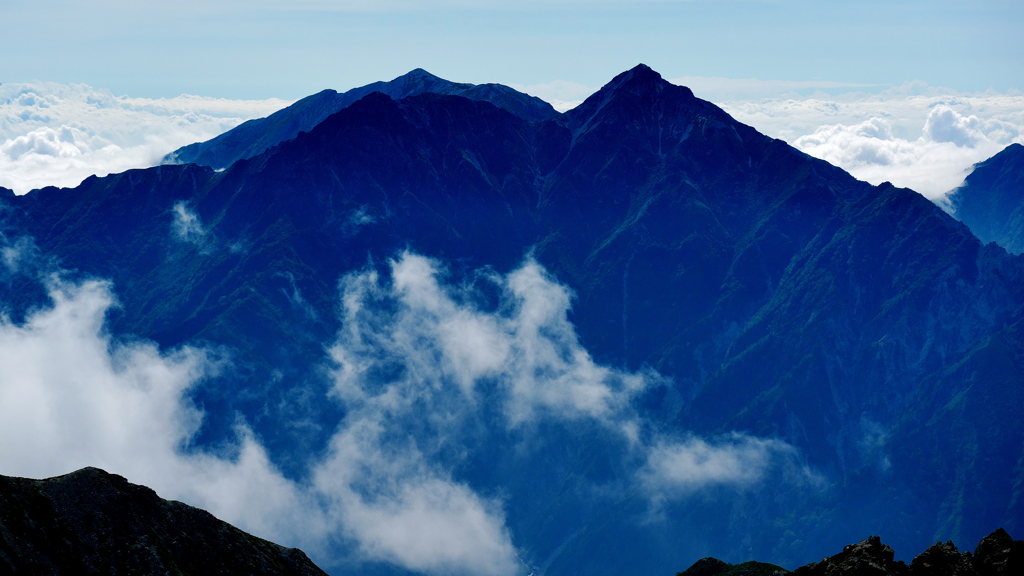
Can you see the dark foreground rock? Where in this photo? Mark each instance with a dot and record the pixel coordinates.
(92, 522)
(715, 567)
(866, 558)
(996, 555)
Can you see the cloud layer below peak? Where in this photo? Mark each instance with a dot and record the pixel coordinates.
(915, 136)
(57, 134)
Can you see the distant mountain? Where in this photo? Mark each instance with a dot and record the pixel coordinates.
(777, 295)
(255, 136)
(991, 200)
(996, 555)
(92, 522)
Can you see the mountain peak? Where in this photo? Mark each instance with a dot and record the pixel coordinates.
(643, 76)
(640, 81)
(421, 75)
(256, 136)
(638, 89)
(418, 81)
(642, 70)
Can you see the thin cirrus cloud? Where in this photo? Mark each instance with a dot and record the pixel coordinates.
(58, 134)
(415, 361)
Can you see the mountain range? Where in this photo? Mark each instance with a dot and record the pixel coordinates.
(862, 344)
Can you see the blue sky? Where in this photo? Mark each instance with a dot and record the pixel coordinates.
(261, 48)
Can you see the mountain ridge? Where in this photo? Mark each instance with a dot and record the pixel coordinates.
(255, 136)
(996, 554)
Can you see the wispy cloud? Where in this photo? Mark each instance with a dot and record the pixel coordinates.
(440, 351)
(187, 225)
(432, 335)
(76, 397)
(57, 134)
(430, 372)
(678, 468)
(387, 495)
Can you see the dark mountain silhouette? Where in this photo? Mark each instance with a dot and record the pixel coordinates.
(92, 522)
(779, 296)
(991, 199)
(255, 136)
(996, 555)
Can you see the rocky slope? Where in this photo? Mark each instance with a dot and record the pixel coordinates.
(92, 522)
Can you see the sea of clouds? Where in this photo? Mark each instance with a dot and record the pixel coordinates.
(914, 136)
(59, 134)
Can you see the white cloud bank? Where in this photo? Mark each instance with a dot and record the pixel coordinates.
(420, 366)
(58, 135)
(914, 136)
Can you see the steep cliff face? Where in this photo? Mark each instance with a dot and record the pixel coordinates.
(91, 522)
(991, 199)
